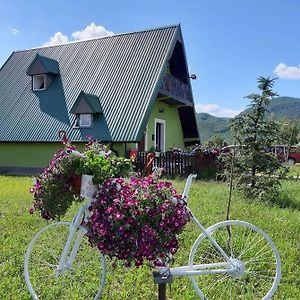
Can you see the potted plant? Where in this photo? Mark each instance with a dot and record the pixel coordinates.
(58, 186)
(54, 189)
(136, 220)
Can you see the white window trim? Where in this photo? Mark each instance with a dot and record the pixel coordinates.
(164, 133)
(33, 82)
(85, 126)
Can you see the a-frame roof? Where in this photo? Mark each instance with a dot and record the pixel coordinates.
(124, 71)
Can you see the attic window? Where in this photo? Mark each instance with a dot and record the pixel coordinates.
(85, 120)
(39, 82)
(87, 109)
(43, 71)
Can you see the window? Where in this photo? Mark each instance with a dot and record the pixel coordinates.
(85, 120)
(38, 82)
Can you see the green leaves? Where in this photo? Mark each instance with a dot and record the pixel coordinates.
(102, 167)
(256, 168)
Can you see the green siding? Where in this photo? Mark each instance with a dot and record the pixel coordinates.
(27, 154)
(174, 134)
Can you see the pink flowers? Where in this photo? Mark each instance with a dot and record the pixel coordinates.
(119, 215)
(135, 220)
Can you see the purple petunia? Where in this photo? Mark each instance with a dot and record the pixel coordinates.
(135, 220)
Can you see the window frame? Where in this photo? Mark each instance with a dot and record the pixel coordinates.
(80, 116)
(34, 78)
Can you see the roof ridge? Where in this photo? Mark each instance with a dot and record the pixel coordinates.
(102, 37)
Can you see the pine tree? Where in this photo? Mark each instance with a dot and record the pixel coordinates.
(255, 166)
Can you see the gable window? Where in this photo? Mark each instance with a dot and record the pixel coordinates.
(85, 120)
(39, 82)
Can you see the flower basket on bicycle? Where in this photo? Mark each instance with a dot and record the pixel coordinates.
(58, 186)
(136, 220)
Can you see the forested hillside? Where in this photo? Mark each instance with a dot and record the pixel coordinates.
(211, 127)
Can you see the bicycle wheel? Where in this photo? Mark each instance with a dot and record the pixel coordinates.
(259, 262)
(84, 280)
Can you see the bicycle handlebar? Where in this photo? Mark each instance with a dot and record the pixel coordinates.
(186, 190)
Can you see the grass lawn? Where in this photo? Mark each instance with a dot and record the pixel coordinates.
(208, 201)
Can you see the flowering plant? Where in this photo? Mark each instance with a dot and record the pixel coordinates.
(54, 190)
(137, 219)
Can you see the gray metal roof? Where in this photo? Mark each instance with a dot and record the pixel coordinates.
(124, 71)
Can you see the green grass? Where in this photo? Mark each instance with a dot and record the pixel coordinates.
(208, 201)
(294, 170)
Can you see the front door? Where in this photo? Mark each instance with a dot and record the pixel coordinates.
(160, 126)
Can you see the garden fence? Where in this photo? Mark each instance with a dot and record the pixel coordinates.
(178, 164)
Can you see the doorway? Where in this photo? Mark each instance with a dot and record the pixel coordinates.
(160, 129)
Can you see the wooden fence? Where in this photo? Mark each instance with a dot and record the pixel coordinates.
(178, 164)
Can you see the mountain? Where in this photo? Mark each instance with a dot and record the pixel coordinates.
(210, 126)
(285, 107)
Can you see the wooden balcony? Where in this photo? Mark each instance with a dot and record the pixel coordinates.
(174, 91)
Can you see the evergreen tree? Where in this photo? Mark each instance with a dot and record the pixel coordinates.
(254, 165)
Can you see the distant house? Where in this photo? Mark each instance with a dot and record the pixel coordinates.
(128, 90)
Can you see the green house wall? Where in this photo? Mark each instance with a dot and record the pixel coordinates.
(173, 131)
(28, 155)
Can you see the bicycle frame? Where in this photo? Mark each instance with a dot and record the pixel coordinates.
(67, 259)
(203, 269)
(65, 262)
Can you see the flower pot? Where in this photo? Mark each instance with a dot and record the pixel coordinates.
(76, 183)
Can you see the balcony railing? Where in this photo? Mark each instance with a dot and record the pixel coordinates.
(176, 89)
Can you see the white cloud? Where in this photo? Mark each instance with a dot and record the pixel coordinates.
(15, 31)
(91, 31)
(217, 111)
(57, 39)
(286, 72)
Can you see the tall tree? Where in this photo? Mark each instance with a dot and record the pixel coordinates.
(255, 166)
(289, 132)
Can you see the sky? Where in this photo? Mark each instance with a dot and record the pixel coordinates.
(228, 43)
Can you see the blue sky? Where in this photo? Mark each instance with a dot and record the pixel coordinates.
(229, 43)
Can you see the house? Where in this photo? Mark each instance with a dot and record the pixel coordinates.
(128, 90)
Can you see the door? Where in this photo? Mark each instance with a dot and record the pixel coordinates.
(160, 128)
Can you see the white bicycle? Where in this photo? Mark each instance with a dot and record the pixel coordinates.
(229, 260)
